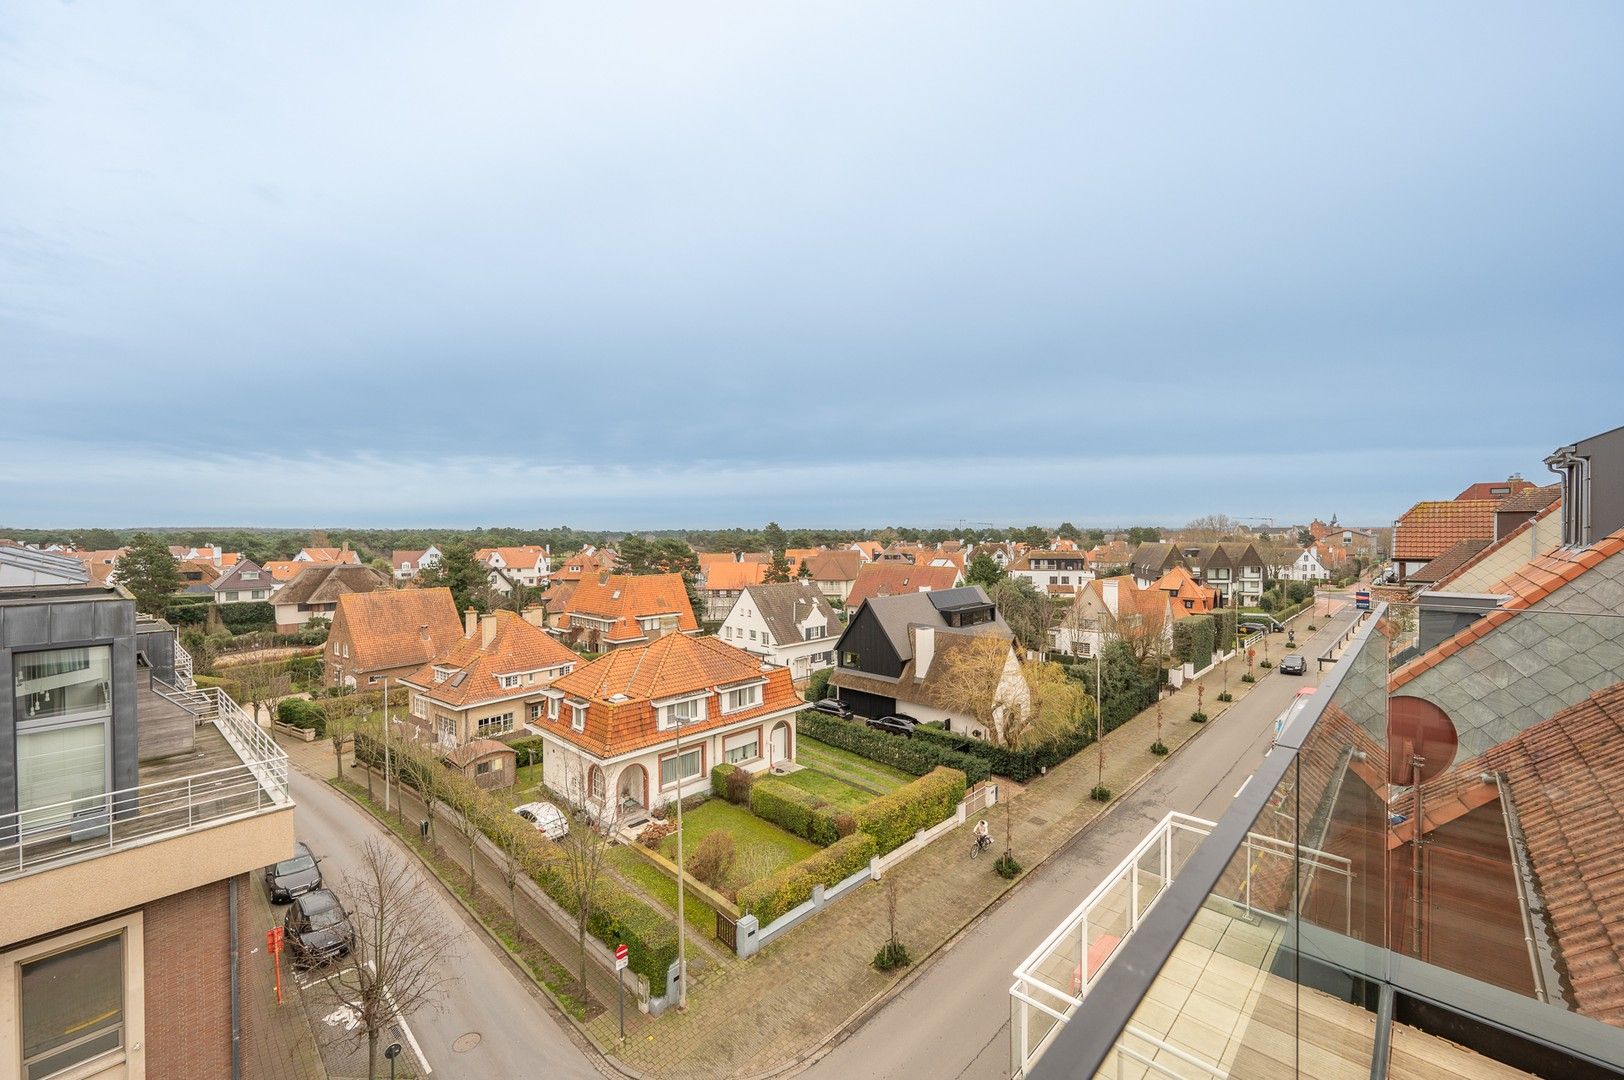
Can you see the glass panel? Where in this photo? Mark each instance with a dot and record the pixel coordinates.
(64, 684)
(72, 1006)
(58, 765)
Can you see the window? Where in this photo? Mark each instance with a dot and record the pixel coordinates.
(683, 712)
(250, 575)
(595, 782)
(813, 633)
(445, 730)
(63, 709)
(508, 682)
(676, 769)
(578, 717)
(849, 659)
(752, 635)
(64, 684)
(552, 708)
(483, 767)
(745, 751)
(72, 1006)
(494, 725)
(742, 699)
(535, 710)
(420, 706)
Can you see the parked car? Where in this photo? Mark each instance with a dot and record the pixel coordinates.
(1251, 628)
(1294, 665)
(896, 725)
(834, 707)
(292, 878)
(546, 817)
(317, 929)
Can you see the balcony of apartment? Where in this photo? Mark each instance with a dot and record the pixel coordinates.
(1307, 934)
(211, 802)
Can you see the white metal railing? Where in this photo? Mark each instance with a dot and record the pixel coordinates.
(66, 831)
(1052, 983)
(193, 700)
(183, 662)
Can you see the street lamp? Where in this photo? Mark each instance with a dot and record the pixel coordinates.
(392, 1051)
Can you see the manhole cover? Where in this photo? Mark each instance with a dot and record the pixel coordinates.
(466, 1042)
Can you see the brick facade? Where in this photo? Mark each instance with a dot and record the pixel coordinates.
(188, 980)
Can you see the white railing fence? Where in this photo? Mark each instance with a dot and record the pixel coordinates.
(183, 663)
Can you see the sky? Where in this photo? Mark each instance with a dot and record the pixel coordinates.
(832, 264)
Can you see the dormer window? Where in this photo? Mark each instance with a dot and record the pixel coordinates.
(250, 575)
(508, 682)
(677, 713)
(745, 698)
(578, 717)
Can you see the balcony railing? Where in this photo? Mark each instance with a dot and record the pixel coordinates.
(68, 831)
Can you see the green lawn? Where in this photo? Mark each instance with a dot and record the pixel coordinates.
(760, 846)
(699, 915)
(826, 787)
(852, 768)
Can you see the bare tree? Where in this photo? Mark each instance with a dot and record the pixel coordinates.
(470, 808)
(402, 954)
(581, 855)
(261, 684)
(343, 718)
(1056, 707)
(524, 851)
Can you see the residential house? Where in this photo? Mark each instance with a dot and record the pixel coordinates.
(1234, 569)
(283, 571)
(385, 634)
(1428, 529)
(895, 653)
(1514, 549)
(1306, 567)
(1151, 561)
(895, 578)
(1056, 572)
(644, 725)
(314, 593)
(1496, 489)
(487, 681)
(1115, 607)
(617, 610)
(243, 583)
(408, 564)
(723, 582)
(328, 555)
(197, 575)
(132, 830)
(835, 573)
(789, 625)
(868, 549)
(1113, 555)
(587, 563)
(526, 565)
(1186, 593)
(100, 563)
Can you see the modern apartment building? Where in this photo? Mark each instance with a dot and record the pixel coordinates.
(133, 808)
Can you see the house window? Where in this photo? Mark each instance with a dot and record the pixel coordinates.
(494, 725)
(752, 635)
(508, 682)
(482, 768)
(578, 717)
(72, 1006)
(744, 751)
(813, 633)
(445, 730)
(250, 575)
(742, 699)
(63, 708)
(552, 708)
(535, 710)
(683, 712)
(849, 659)
(420, 706)
(678, 768)
(595, 782)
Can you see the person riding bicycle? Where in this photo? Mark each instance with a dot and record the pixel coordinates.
(983, 839)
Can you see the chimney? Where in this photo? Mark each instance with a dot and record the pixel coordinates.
(535, 615)
(924, 650)
(423, 631)
(1108, 591)
(487, 630)
(470, 622)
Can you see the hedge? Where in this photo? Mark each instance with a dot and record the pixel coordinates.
(792, 809)
(1018, 765)
(915, 756)
(786, 889)
(1224, 628)
(299, 713)
(1193, 640)
(893, 819)
(719, 775)
(250, 615)
(523, 745)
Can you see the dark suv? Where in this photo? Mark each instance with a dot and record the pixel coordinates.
(1294, 665)
(896, 725)
(834, 707)
(317, 929)
(293, 877)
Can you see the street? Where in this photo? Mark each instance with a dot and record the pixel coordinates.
(517, 1035)
(953, 1021)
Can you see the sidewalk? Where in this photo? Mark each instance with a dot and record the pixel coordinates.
(278, 1041)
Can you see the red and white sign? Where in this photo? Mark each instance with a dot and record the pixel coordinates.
(621, 953)
(273, 939)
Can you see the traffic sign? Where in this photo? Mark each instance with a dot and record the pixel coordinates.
(621, 954)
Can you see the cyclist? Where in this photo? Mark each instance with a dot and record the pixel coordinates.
(983, 839)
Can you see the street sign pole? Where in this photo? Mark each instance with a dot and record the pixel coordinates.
(273, 942)
(621, 955)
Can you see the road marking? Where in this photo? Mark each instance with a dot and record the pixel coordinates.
(1242, 788)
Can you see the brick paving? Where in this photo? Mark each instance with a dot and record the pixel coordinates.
(278, 1041)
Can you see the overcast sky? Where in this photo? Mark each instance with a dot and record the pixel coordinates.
(830, 263)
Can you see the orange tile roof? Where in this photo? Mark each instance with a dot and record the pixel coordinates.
(582, 565)
(330, 555)
(1514, 536)
(733, 576)
(284, 569)
(708, 559)
(896, 578)
(870, 549)
(517, 647)
(387, 628)
(625, 597)
(672, 666)
(1180, 586)
(1488, 489)
(517, 558)
(1530, 500)
(1428, 529)
(835, 566)
(1527, 586)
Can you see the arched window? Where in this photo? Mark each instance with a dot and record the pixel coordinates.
(594, 782)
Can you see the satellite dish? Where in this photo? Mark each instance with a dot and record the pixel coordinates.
(1418, 728)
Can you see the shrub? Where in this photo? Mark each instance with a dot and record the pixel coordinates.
(893, 819)
(739, 785)
(1007, 866)
(617, 917)
(713, 861)
(1018, 765)
(769, 898)
(523, 745)
(719, 778)
(845, 825)
(1101, 793)
(247, 617)
(892, 955)
(306, 715)
(794, 810)
(1248, 677)
(1225, 695)
(1312, 628)
(1198, 717)
(1224, 627)
(1266, 664)
(654, 832)
(817, 686)
(1193, 640)
(1158, 748)
(916, 755)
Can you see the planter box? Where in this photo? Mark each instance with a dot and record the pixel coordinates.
(306, 734)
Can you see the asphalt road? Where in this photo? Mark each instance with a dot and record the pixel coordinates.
(518, 1037)
(954, 1020)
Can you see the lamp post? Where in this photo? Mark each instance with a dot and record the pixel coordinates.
(682, 936)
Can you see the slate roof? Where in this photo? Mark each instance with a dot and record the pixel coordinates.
(324, 583)
(896, 614)
(1150, 560)
(1458, 555)
(625, 597)
(386, 627)
(1428, 529)
(621, 686)
(516, 647)
(232, 579)
(784, 606)
(898, 578)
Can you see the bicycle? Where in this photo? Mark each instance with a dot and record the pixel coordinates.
(980, 844)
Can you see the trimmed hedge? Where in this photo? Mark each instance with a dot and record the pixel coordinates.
(793, 810)
(1224, 628)
(893, 819)
(719, 775)
(522, 746)
(1193, 640)
(299, 713)
(790, 887)
(916, 756)
(1018, 765)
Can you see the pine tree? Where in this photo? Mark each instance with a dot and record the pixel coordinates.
(149, 572)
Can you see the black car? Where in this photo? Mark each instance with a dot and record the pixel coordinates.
(317, 929)
(896, 725)
(1252, 628)
(293, 877)
(834, 707)
(1294, 665)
